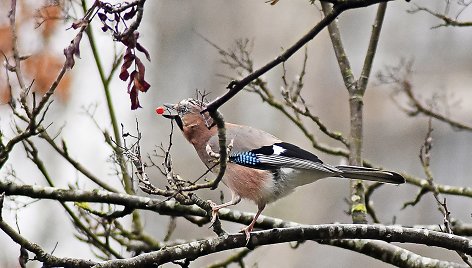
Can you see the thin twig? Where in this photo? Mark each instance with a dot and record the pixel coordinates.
(236, 86)
(425, 157)
(40, 253)
(372, 48)
(447, 21)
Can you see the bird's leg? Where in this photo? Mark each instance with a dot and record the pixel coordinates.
(248, 229)
(235, 198)
(215, 155)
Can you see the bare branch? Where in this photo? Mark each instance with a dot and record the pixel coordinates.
(400, 76)
(39, 110)
(371, 50)
(240, 60)
(236, 86)
(63, 152)
(318, 232)
(235, 258)
(447, 21)
(389, 253)
(339, 51)
(40, 253)
(425, 157)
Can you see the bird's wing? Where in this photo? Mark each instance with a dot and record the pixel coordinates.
(258, 149)
(280, 155)
(244, 138)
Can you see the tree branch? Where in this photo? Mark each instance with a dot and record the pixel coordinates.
(372, 48)
(341, 55)
(111, 110)
(389, 253)
(42, 255)
(420, 108)
(356, 91)
(200, 248)
(63, 152)
(447, 21)
(236, 86)
(171, 207)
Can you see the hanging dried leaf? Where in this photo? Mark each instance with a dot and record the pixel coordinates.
(102, 17)
(73, 50)
(130, 14)
(133, 94)
(143, 50)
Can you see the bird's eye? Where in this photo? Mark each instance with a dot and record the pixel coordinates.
(182, 110)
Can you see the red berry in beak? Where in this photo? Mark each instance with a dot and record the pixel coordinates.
(160, 110)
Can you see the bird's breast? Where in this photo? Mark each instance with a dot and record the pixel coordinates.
(249, 183)
(287, 179)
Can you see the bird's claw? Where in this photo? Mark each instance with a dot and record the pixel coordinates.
(230, 145)
(214, 212)
(216, 156)
(211, 153)
(247, 231)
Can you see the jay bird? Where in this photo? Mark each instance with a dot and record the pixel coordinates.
(260, 167)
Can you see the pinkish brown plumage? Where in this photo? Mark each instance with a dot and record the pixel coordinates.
(261, 167)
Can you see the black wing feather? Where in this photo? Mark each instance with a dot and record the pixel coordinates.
(297, 152)
(280, 155)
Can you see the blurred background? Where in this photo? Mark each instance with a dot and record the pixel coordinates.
(182, 62)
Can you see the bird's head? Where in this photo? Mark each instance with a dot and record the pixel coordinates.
(189, 118)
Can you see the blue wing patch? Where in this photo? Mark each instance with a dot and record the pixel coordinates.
(245, 158)
(280, 155)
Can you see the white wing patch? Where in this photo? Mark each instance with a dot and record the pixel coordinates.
(278, 150)
(288, 162)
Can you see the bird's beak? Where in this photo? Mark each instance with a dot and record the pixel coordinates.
(173, 107)
(170, 107)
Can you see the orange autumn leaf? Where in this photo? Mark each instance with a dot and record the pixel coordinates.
(43, 68)
(5, 94)
(5, 38)
(5, 47)
(47, 19)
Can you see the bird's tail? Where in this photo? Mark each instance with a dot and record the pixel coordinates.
(370, 174)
